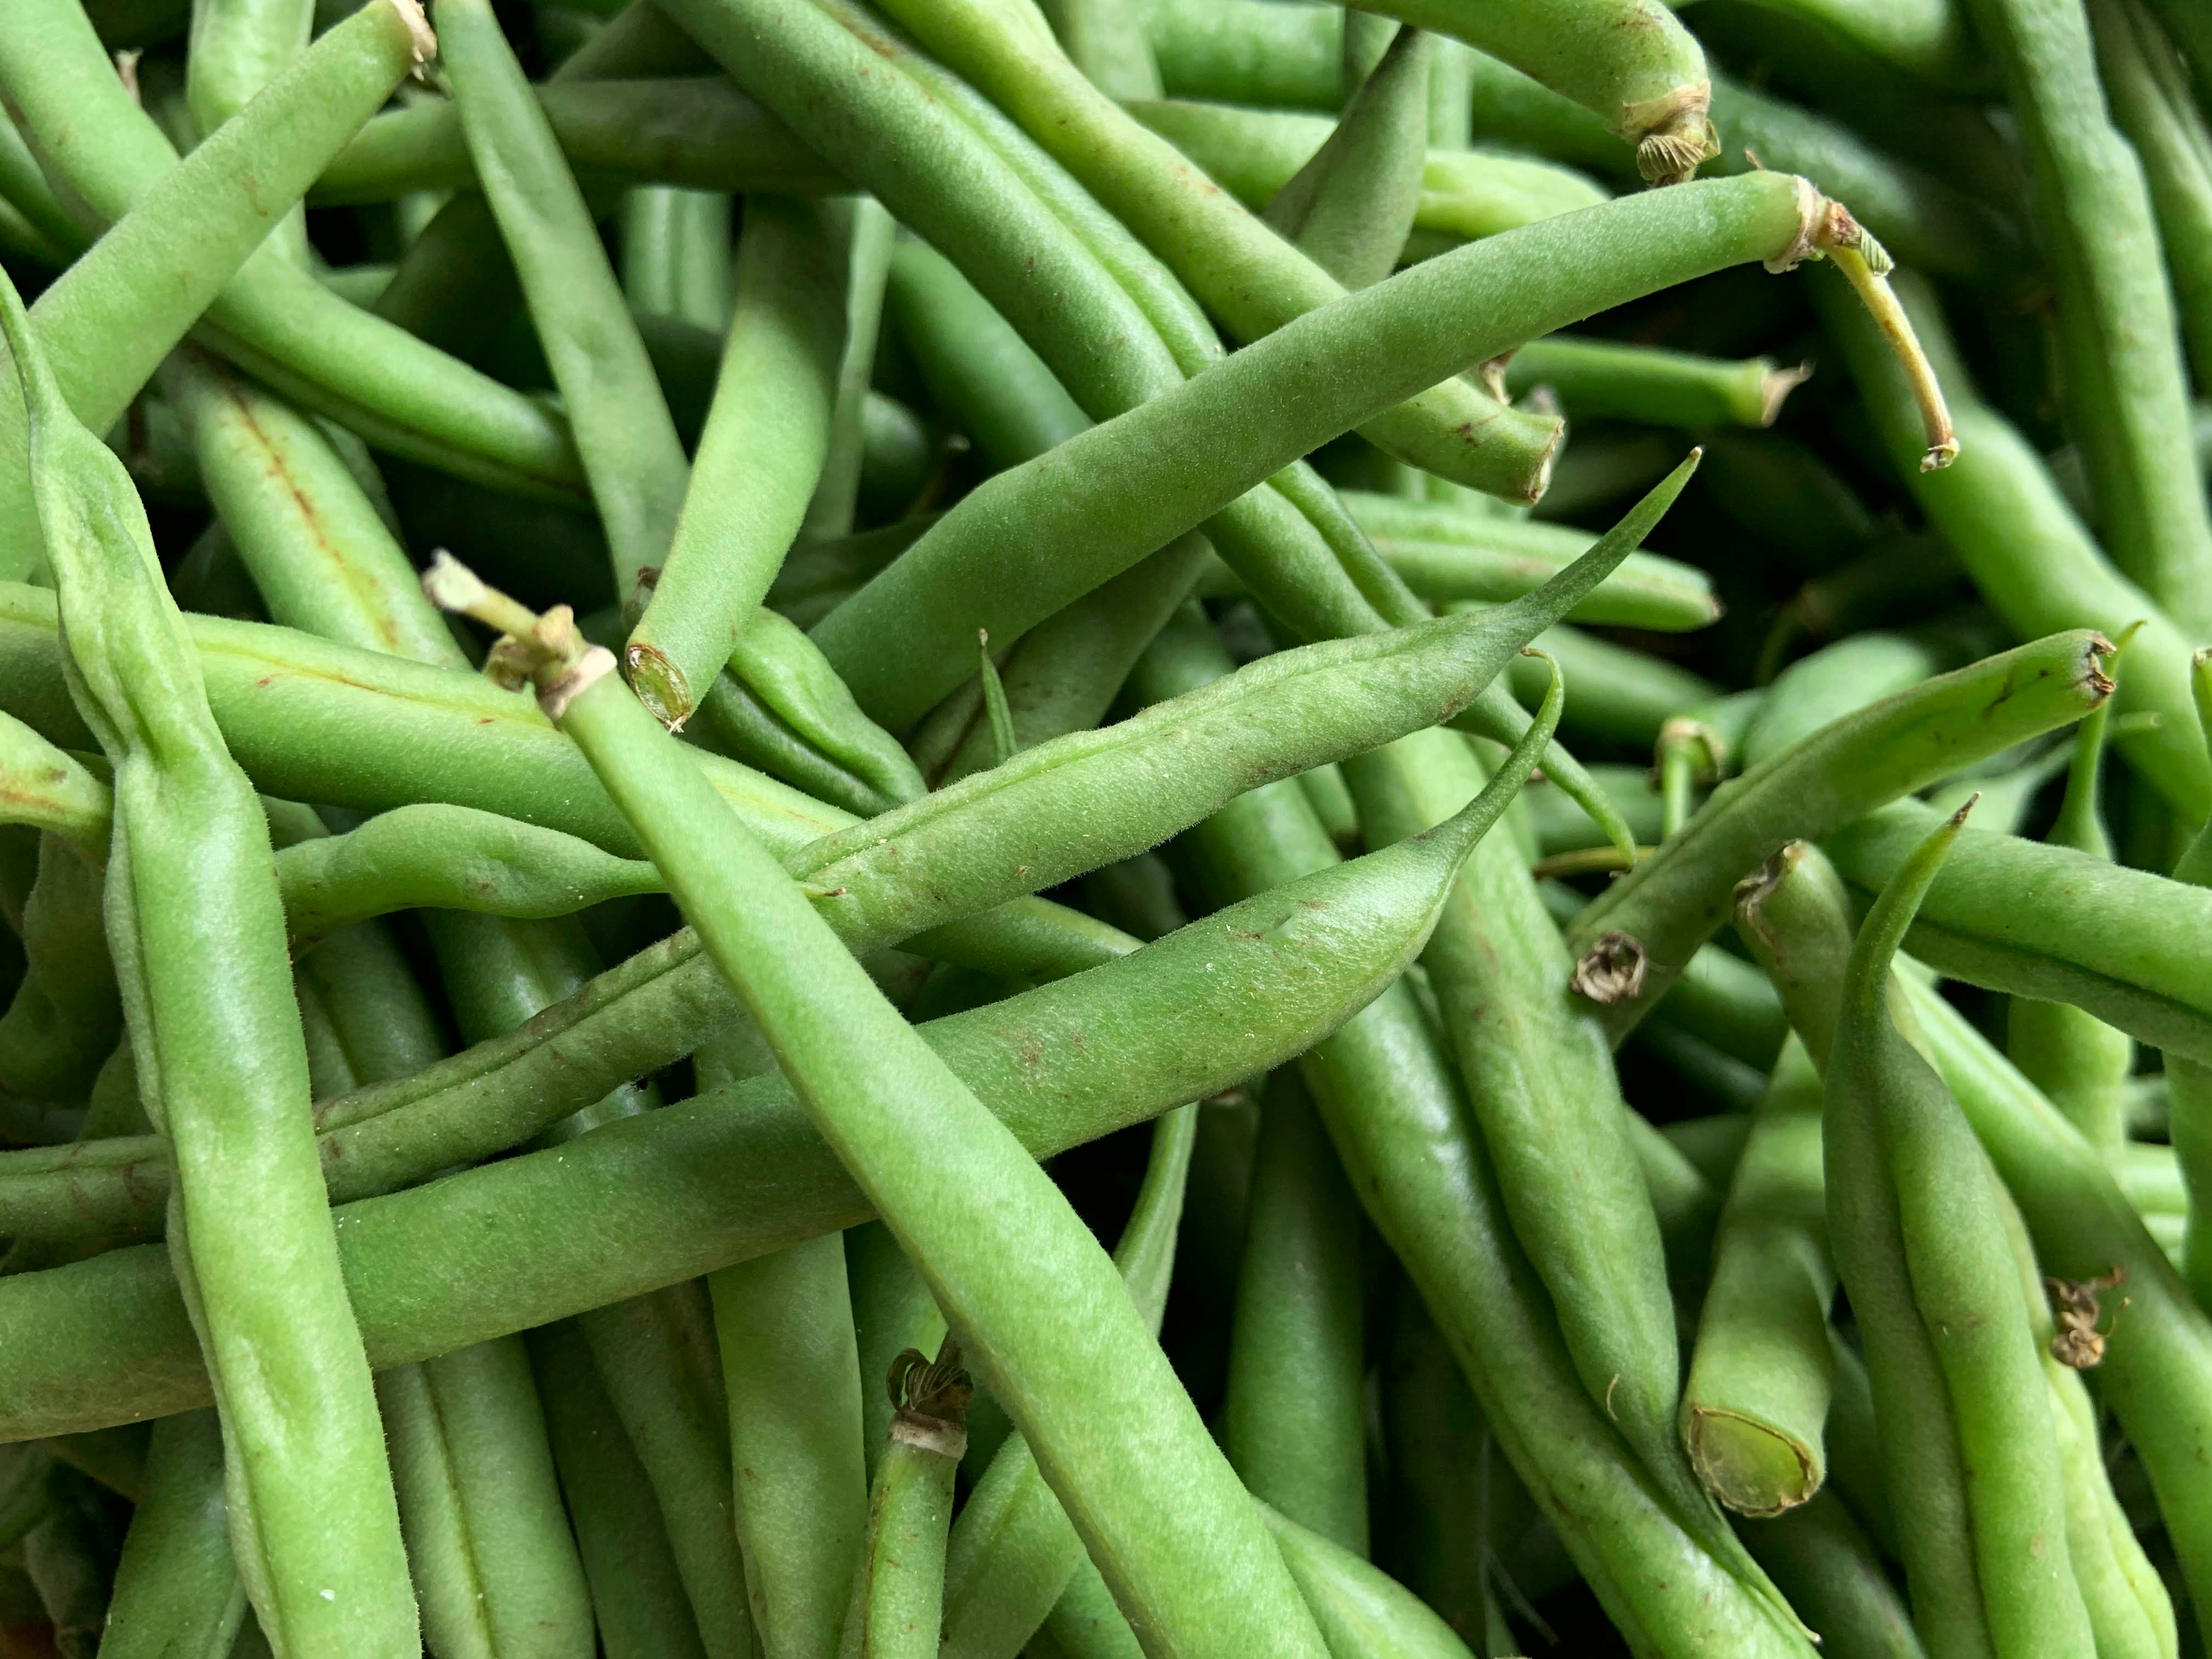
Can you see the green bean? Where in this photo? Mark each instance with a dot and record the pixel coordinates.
(656, 1355)
(2027, 553)
(1757, 1398)
(895, 1116)
(1360, 1609)
(1352, 204)
(2126, 394)
(1084, 1623)
(1599, 379)
(228, 1109)
(2153, 1373)
(64, 1018)
(779, 681)
(1465, 194)
(321, 557)
(272, 318)
(2061, 944)
(698, 133)
(866, 229)
(2128, 1607)
(1232, 261)
(1292, 1421)
(1399, 1120)
(177, 1592)
(770, 422)
(623, 433)
(2188, 1083)
(1250, 51)
(791, 1369)
(1919, 1237)
(676, 253)
(237, 48)
(637, 1596)
(2074, 1058)
(66, 1558)
(1013, 1553)
(1823, 1562)
(1842, 678)
(488, 1539)
(898, 1593)
(1629, 943)
(1314, 361)
(1445, 554)
(2148, 86)
(106, 329)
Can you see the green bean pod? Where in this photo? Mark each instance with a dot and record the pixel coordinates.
(2126, 391)
(64, 1018)
(1599, 379)
(1915, 1215)
(2148, 86)
(1360, 1608)
(623, 432)
(652, 1009)
(1013, 1551)
(105, 328)
(2038, 921)
(898, 1593)
(1352, 204)
(236, 48)
(1631, 941)
(272, 318)
(1005, 1258)
(771, 426)
(177, 1591)
(197, 955)
(1628, 62)
(1247, 275)
(1446, 555)
(320, 556)
(698, 132)
(2074, 1058)
(1465, 194)
(2153, 1377)
(1756, 1403)
(676, 253)
(488, 1537)
(1264, 406)
(792, 1373)
(637, 1595)
(1293, 1417)
(2025, 548)
(1823, 1561)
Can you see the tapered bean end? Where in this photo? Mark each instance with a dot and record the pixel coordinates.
(1673, 134)
(419, 34)
(1775, 387)
(1748, 1466)
(660, 685)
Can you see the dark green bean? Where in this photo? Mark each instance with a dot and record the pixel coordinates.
(177, 1590)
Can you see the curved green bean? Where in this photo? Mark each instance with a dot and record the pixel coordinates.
(1920, 1239)
(177, 1591)
(222, 1066)
(1633, 939)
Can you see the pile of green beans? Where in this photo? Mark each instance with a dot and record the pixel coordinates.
(964, 830)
